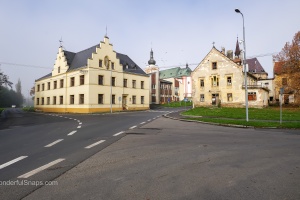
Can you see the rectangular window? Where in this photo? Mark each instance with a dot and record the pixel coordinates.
(142, 99)
(284, 81)
(100, 63)
(48, 100)
(58, 70)
(72, 81)
(48, 86)
(100, 80)
(43, 101)
(43, 87)
(142, 84)
(100, 98)
(61, 83)
(38, 88)
(54, 100)
(61, 99)
(112, 65)
(81, 98)
(202, 97)
(113, 81)
(82, 80)
(153, 86)
(113, 99)
(54, 84)
(133, 83)
(71, 99)
(133, 99)
(251, 96)
(214, 65)
(125, 82)
(229, 81)
(229, 97)
(202, 83)
(37, 101)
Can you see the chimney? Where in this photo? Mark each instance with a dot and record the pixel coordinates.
(230, 54)
(223, 50)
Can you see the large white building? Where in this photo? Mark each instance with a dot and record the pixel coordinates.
(97, 79)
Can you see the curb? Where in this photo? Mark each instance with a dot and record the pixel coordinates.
(211, 123)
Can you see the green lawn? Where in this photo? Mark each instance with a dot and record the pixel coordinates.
(266, 117)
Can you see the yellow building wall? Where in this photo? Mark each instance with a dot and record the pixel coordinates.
(90, 89)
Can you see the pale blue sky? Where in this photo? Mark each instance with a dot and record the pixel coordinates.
(179, 31)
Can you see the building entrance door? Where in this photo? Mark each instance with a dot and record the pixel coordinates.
(214, 99)
(124, 102)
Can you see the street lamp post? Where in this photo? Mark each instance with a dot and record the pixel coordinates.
(245, 68)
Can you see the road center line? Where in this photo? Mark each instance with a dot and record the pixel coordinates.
(132, 127)
(41, 168)
(154, 118)
(78, 126)
(12, 161)
(96, 143)
(149, 120)
(71, 133)
(80, 122)
(53, 143)
(118, 133)
(142, 122)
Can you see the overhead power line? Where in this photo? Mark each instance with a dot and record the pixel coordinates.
(23, 65)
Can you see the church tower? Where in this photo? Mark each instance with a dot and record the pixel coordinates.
(153, 70)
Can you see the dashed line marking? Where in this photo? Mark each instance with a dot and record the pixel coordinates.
(33, 172)
(71, 133)
(60, 116)
(70, 118)
(12, 161)
(142, 122)
(78, 126)
(80, 123)
(75, 119)
(154, 118)
(94, 144)
(53, 143)
(132, 127)
(149, 120)
(118, 133)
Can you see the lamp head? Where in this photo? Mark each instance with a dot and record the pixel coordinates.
(237, 10)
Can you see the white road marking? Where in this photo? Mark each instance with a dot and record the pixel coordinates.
(80, 123)
(75, 119)
(96, 143)
(154, 118)
(53, 143)
(71, 133)
(60, 116)
(132, 127)
(78, 126)
(149, 120)
(70, 118)
(158, 116)
(12, 161)
(118, 133)
(33, 172)
(78, 120)
(142, 122)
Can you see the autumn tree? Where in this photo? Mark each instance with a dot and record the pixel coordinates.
(289, 59)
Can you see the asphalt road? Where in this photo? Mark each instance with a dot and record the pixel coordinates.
(38, 147)
(171, 159)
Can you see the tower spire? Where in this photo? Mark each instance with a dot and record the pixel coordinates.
(151, 61)
(237, 48)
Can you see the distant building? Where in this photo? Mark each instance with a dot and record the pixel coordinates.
(97, 79)
(168, 85)
(219, 80)
(287, 81)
